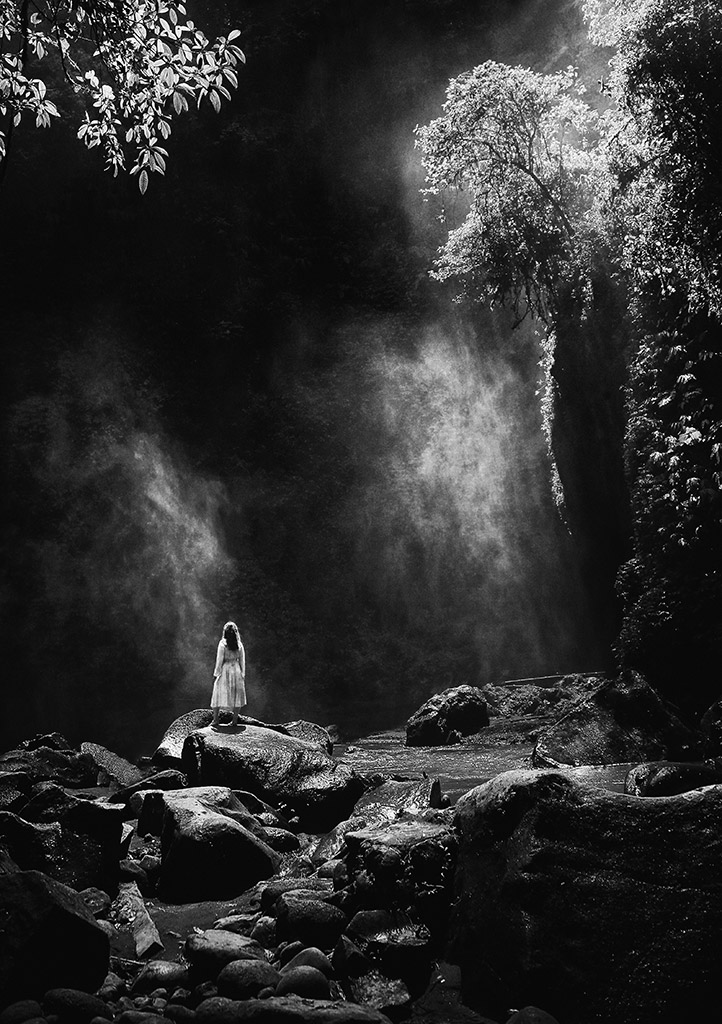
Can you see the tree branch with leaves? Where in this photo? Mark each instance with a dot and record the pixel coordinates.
(136, 63)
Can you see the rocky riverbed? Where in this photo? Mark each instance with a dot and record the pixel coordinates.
(459, 869)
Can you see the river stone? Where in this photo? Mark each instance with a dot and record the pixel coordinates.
(532, 1015)
(304, 980)
(208, 952)
(206, 853)
(447, 717)
(277, 768)
(244, 979)
(311, 956)
(303, 917)
(277, 886)
(54, 939)
(74, 1006)
(160, 974)
(21, 1011)
(666, 778)
(624, 720)
(49, 764)
(558, 885)
(286, 1010)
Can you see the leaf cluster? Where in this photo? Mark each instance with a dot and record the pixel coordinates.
(135, 63)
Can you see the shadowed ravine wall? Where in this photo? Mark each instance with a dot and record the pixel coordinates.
(241, 396)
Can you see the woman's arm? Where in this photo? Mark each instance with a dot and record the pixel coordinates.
(219, 658)
(243, 661)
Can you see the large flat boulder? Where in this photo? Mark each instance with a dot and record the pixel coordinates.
(170, 749)
(278, 768)
(602, 908)
(624, 720)
(49, 938)
(447, 717)
(207, 852)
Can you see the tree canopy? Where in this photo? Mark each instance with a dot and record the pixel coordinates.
(521, 145)
(130, 66)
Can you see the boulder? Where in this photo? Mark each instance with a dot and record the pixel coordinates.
(76, 860)
(624, 720)
(160, 974)
(112, 769)
(54, 939)
(169, 751)
(286, 1010)
(170, 778)
(665, 778)
(331, 845)
(244, 979)
(75, 1007)
(277, 768)
(14, 789)
(49, 764)
(132, 914)
(403, 865)
(97, 901)
(310, 956)
(599, 907)
(51, 740)
(447, 717)
(21, 1011)
(206, 853)
(304, 980)
(274, 889)
(394, 799)
(547, 697)
(441, 1003)
(711, 730)
(397, 946)
(208, 952)
(303, 917)
(99, 822)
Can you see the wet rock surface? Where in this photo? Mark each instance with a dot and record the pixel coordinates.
(277, 768)
(341, 914)
(557, 885)
(447, 717)
(623, 720)
(667, 778)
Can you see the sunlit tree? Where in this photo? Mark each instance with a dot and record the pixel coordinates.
(133, 64)
(521, 145)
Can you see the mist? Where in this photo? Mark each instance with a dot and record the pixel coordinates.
(275, 415)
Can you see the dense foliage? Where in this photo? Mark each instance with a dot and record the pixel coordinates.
(135, 65)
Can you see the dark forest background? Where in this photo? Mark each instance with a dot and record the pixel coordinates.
(242, 396)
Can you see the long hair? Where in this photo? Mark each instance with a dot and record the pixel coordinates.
(232, 636)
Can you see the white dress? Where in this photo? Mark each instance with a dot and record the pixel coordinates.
(229, 687)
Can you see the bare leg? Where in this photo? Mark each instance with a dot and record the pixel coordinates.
(215, 718)
(234, 723)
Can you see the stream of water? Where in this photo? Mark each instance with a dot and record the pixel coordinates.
(461, 767)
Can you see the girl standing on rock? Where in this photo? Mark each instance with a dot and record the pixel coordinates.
(229, 685)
